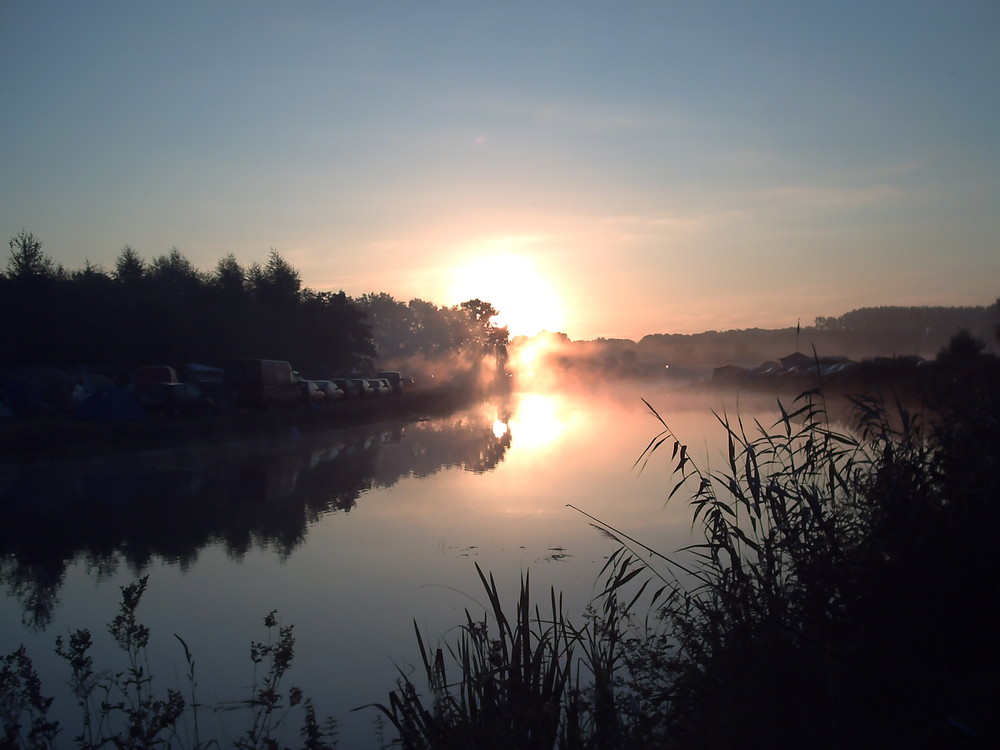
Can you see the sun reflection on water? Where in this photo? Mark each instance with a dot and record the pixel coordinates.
(539, 420)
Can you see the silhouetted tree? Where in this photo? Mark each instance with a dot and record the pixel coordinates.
(339, 339)
(277, 284)
(168, 312)
(133, 317)
(963, 353)
(175, 296)
(129, 267)
(27, 260)
(175, 272)
(229, 310)
(432, 335)
(31, 300)
(962, 348)
(420, 328)
(996, 311)
(87, 315)
(485, 339)
(230, 278)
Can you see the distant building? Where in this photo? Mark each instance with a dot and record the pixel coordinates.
(797, 361)
(730, 373)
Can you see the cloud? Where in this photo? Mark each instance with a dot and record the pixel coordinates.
(639, 226)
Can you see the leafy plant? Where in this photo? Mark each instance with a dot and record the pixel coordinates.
(23, 708)
(269, 707)
(121, 709)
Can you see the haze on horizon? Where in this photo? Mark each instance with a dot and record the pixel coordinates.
(598, 169)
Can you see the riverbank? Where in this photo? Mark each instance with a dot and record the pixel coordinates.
(48, 437)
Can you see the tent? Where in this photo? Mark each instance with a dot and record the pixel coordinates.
(111, 404)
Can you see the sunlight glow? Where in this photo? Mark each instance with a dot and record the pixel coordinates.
(538, 421)
(527, 358)
(509, 279)
(499, 429)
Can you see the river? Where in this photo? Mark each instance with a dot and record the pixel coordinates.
(351, 535)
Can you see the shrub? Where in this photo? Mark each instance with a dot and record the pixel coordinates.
(121, 709)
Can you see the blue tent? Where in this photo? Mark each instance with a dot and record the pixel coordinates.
(23, 397)
(111, 404)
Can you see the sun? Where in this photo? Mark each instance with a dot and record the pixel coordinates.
(513, 284)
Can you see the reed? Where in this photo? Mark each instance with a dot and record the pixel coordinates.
(835, 565)
(821, 578)
(529, 680)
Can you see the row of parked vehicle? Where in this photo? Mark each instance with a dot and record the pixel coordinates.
(254, 383)
(343, 389)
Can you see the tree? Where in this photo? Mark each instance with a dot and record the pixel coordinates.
(175, 297)
(484, 337)
(390, 323)
(27, 260)
(230, 278)
(430, 329)
(996, 308)
(962, 351)
(88, 306)
(480, 312)
(31, 301)
(175, 271)
(335, 334)
(277, 285)
(129, 267)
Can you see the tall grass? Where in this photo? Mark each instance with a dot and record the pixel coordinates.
(842, 593)
(824, 587)
(532, 681)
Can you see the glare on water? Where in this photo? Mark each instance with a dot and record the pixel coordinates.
(353, 536)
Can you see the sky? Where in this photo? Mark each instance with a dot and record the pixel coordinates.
(603, 169)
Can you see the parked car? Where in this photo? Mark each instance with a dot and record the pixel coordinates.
(176, 399)
(380, 387)
(310, 393)
(344, 384)
(395, 380)
(363, 388)
(331, 391)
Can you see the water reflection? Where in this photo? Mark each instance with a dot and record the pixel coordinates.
(400, 516)
(171, 505)
(540, 421)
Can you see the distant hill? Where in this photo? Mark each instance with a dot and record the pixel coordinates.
(863, 333)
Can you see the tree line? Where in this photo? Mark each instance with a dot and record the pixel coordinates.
(166, 311)
(859, 334)
(935, 321)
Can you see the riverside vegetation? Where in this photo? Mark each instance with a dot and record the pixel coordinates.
(843, 594)
(121, 708)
